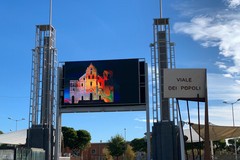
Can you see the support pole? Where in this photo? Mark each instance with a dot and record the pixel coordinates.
(190, 129)
(199, 138)
(207, 153)
(160, 8)
(50, 13)
(182, 140)
(147, 116)
(212, 152)
(58, 136)
(148, 134)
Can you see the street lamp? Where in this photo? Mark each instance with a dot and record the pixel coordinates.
(235, 143)
(16, 120)
(125, 133)
(99, 151)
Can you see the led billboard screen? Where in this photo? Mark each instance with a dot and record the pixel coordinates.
(103, 83)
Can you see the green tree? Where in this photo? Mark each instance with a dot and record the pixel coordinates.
(231, 141)
(129, 153)
(139, 145)
(76, 140)
(83, 140)
(116, 146)
(106, 154)
(1, 132)
(238, 142)
(221, 144)
(69, 137)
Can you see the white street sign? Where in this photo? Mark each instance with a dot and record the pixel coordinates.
(184, 83)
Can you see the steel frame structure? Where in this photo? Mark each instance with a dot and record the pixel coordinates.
(43, 98)
(162, 57)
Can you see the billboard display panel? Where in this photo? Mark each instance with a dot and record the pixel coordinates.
(184, 83)
(102, 83)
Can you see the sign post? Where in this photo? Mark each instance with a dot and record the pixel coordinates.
(189, 84)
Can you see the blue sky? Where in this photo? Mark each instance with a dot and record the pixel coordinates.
(206, 34)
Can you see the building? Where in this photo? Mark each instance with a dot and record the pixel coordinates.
(94, 152)
(92, 87)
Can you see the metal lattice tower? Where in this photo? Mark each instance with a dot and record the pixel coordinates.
(162, 56)
(172, 64)
(44, 78)
(164, 130)
(43, 99)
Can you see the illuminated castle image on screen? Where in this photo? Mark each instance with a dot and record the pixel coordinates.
(92, 87)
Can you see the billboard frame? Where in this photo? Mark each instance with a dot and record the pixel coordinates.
(113, 107)
(136, 107)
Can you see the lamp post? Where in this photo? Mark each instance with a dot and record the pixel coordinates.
(99, 150)
(16, 120)
(235, 143)
(125, 133)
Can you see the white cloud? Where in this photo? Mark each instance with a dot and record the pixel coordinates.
(238, 82)
(142, 120)
(222, 31)
(218, 115)
(228, 75)
(139, 127)
(222, 88)
(233, 3)
(219, 89)
(221, 65)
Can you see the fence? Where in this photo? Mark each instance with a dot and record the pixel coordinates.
(12, 153)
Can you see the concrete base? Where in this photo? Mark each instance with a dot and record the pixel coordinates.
(165, 141)
(38, 137)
